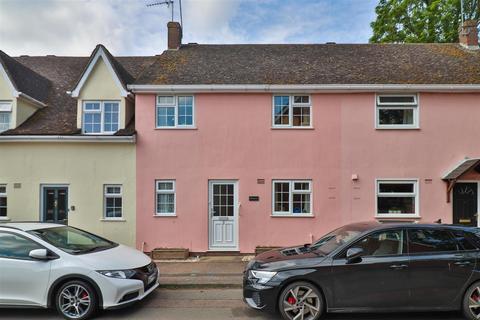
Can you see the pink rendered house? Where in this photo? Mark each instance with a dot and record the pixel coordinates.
(240, 146)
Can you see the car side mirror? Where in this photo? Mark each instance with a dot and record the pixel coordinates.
(39, 254)
(354, 254)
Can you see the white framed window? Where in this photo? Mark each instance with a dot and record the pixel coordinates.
(100, 117)
(292, 111)
(165, 197)
(397, 198)
(396, 111)
(5, 115)
(292, 197)
(175, 112)
(3, 201)
(113, 201)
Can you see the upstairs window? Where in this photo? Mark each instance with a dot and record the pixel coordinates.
(5, 115)
(100, 117)
(113, 202)
(175, 112)
(291, 111)
(3, 200)
(292, 197)
(397, 112)
(397, 198)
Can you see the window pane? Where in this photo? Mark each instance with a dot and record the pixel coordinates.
(113, 190)
(165, 203)
(282, 197)
(92, 122)
(301, 203)
(396, 205)
(13, 246)
(166, 116)
(92, 106)
(4, 121)
(301, 99)
(396, 188)
(185, 110)
(395, 116)
(281, 110)
(383, 243)
(462, 239)
(111, 117)
(301, 116)
(3, 189)
(165, 186)
(3, 206)
(397, 99)
(166, 100)
(430, 240)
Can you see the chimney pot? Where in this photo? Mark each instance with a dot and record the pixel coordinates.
(174, 35)
(468, 34)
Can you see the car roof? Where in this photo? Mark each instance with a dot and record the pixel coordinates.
(368, 226)
(28, 226)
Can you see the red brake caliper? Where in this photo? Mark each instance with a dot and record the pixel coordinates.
(84, 295)
(291, 300)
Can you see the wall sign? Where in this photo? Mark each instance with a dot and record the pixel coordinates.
(253, 198)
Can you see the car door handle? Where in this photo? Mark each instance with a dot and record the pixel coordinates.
(398, 266)
(462, 263)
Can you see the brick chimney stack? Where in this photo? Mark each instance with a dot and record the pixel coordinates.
(174, 35)
(468, 34)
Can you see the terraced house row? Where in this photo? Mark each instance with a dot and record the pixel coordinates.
(230, 147)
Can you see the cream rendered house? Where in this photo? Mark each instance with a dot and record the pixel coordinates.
(67, 141)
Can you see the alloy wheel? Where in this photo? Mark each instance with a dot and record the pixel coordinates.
(74, 301)
(301, 303)
(474, 302)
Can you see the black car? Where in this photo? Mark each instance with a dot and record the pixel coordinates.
(370, 267)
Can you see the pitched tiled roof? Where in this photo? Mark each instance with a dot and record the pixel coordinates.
(60, 115)
(25, 80)
(315, 64)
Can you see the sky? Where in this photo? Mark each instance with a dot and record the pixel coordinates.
(129, 27)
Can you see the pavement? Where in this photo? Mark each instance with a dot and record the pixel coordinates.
(207, 288)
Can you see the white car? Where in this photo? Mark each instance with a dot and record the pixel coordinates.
(51, 265)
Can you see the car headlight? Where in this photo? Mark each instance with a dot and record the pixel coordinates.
(118, 274)
(262, 276)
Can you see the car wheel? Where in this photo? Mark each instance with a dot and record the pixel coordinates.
(76, 299)
(301, 300)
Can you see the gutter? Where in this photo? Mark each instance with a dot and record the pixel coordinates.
(293, 88)
(94, 139)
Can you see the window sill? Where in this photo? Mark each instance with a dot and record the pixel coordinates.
(4, 219)
(292, 128)
(176, 128)
(397, 128)
(113, 220)
(396, 216)
(173, 215)
(292, 216)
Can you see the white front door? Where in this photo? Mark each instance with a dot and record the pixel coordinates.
(223, 215)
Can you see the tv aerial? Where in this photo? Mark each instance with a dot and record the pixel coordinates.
(169, 3)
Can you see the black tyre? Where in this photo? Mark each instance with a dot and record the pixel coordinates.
(301, 300)
(77, 300)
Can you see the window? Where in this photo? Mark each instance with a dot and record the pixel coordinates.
(165, 197)
(430, 240)
(100, 117)
(291, 111)
(113, 202)
(383, 243)
(5, 115)
(464, 239)
(3, 200)
(175, 112)
(397, 198)
(292, 198)
(13, 246)
(397, 112)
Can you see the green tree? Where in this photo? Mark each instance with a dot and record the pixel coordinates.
(411, 21)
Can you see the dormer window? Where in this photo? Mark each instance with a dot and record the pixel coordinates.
(5, 115)
(100, 117)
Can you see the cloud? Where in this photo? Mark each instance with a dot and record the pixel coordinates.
(129, 27)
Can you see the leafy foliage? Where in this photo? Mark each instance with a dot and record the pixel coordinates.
(413, 21)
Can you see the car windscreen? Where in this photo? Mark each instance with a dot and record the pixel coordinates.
(335, 239)
(72, 240)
